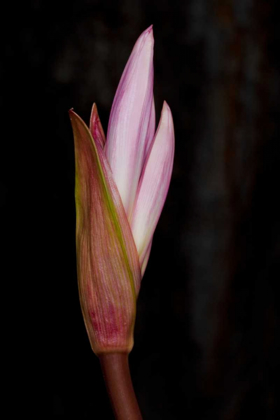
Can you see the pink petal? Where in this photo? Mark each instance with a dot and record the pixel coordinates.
(107, 260)
(96, 127)
(154, 184)
(151, 131)
(130, 119)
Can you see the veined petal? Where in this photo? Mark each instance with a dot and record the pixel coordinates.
(154, 184)
(107, 261)
(129, 120)
(107, 173)
(96, 127)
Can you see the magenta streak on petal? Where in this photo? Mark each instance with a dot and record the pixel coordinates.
(130, 119)
(96, 127)
(153, 185)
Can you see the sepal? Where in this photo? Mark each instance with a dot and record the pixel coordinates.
(107, 260)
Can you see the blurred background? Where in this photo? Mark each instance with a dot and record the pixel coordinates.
(207, 330)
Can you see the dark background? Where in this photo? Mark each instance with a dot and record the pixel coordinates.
(207, 330)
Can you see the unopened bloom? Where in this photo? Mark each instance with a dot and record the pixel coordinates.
(121, 186)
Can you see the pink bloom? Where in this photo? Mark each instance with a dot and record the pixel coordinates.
(121, 187)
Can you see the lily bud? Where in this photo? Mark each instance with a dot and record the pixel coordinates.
(120, 189)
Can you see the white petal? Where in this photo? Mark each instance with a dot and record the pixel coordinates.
(129, 120)
(154, 184)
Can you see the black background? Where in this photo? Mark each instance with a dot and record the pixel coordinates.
(208, 312)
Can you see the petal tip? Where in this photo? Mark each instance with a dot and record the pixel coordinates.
(147, 35)
(165, 106)
(166, 114)
(149, 30)
(72, 115)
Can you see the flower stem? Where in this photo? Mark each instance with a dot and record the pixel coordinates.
(118, 382)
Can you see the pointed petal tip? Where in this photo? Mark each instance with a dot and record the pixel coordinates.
(95, 126)
(147, 35)
(166, 107)
(94, 111)
(149, 29)
(74, 116)
(166, 114)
